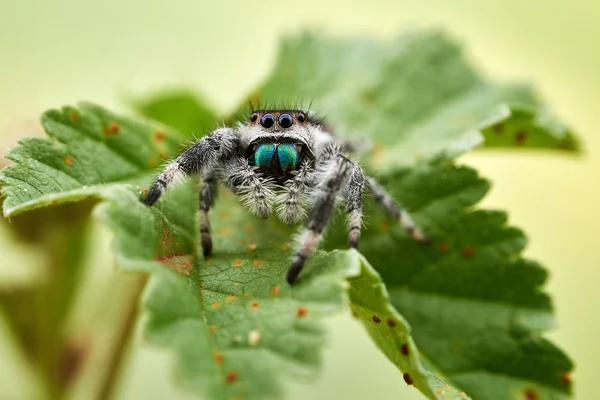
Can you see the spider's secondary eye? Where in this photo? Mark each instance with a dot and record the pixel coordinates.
(267, 120)
(285, 120)
(301, 118)
(254, 117)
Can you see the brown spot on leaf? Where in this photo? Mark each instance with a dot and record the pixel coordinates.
(68, 160)
(237, 263)
(467, 251)
(258, 263)
(223, 231)
(252, 247)
(216, 305)
(391, 323)
(521, 137)
(152, 162)
(284, 247)
(407, 378)
(531, 394)
(566, 378)
(405, 349)
(112, 129)
(354, 314)
(255, 305)
(376, 319)
(302, 312)
(74, 354)
(231, 377)
(74, 116)
(230, 299)
(444, 247)
(498, 129)
(159, 136)
(275, 291)
(212, 329)
(218, 357)
(249, 229)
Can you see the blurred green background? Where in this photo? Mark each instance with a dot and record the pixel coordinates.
(53, 53)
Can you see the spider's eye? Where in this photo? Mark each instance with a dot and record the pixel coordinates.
(301, 117)
(285, 120)
(267, 120)
(254, 117)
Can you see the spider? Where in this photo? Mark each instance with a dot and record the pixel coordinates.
(281, 161)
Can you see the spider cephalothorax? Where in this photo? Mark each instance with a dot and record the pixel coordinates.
(283, 161)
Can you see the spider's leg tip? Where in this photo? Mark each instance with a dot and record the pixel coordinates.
(152, 196)
(420, 237)
(295, 269)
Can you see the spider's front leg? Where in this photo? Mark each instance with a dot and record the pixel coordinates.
(203, 156)
(337, 172)
(208, 193)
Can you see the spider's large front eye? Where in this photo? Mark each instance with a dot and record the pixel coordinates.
(285, 120)
(267, 120)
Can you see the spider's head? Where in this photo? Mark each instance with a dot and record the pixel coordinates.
(279, 120)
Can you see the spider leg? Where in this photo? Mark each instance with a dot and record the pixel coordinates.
(336, 170)
(256, 192)
(292, 203)
(396, 210)
(208, 192)
(354, 193)
(202, 156)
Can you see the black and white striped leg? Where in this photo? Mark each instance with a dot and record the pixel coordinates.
(257, 193)
(334, 175)
(293, 202)
(202, 156)
(396, 211)
(208, 192)
(354, 193)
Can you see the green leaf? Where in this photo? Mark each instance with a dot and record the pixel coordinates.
(232, 324)
(245, 324)
(476, 306)
(88, 149)
(414, 97)
(179, 109)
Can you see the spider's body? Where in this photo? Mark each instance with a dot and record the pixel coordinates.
(283, 161)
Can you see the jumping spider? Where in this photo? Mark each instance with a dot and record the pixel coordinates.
(282, 160)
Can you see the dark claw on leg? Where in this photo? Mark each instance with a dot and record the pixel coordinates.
(206, 245)
(153, 195)
(295, 269)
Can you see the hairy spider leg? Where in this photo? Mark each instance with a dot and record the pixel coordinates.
(208, 192)
(203, 156)
(336, 172)
(396, 211)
